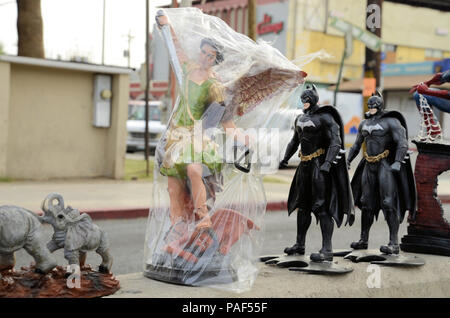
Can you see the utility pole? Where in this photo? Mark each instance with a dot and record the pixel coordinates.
(147, 82)
(172, 75)
(129, 39)
(372, 67)
(252, 19)
(103, 32)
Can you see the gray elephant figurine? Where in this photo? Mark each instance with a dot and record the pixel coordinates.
(21, 228)
(75, 232)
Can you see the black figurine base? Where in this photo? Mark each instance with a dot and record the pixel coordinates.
(276, 258)
(376, 257)
(288, 261)
(303, 263)
(324, 268)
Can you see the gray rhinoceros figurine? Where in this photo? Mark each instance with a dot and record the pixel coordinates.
(21, 228)
(75, 232)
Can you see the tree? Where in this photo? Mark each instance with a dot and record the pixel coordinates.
(30, 28)
(1, 49)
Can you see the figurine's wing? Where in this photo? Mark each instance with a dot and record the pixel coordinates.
(250, 90)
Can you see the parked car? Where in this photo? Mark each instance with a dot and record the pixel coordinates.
(136, 125)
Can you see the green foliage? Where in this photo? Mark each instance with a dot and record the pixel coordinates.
(1, 49)
(272, 179)
(136, 170)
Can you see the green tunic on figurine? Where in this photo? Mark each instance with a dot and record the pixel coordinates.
(183, 146)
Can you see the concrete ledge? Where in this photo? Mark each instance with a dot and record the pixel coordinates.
(430, 280)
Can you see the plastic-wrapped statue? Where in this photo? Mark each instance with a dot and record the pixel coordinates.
(201, 89)
(321, 183)
(384, 178)
(426, 98)
(206, 215)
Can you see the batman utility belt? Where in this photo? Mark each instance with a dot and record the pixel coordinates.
(315, 154)
(376, 158)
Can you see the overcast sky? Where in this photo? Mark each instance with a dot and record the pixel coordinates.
(74, 27)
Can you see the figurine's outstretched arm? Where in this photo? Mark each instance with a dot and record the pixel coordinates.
(354, 150)
(161, 20)
(440, 93)
(334, 136)
(291, 148)
(439, 78)
(399, 137)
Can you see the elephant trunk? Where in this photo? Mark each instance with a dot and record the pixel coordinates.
(49, 208)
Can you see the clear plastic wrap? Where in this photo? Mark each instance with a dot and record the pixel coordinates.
(205, 225)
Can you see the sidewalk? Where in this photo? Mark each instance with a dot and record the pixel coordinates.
(107, 198)
(429, 280)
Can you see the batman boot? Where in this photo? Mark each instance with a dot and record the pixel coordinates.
(295, 249)
(321, 256)
(303, 223)
(393, 223)
(366, 222)
(390, 249)
(326, 252)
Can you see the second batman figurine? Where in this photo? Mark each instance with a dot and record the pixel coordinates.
(384, 178)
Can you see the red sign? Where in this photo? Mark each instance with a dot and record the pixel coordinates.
(159, 88)
(268, 27)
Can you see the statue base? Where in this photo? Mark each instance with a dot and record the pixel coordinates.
(324, 268)
(28, 284)
(376, 257)
(429, 231)
(207, 276)
(302, 263)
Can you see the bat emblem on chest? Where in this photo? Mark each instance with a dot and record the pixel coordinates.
(370, 128)
(303, 124)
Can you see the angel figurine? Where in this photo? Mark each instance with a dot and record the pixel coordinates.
(202, 206)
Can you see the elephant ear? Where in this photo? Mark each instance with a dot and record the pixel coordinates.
(78, 232)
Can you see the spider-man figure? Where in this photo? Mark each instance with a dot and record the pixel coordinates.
(439, 98)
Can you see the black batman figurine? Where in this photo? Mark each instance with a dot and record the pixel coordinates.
(384, 178)
(321, 183)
